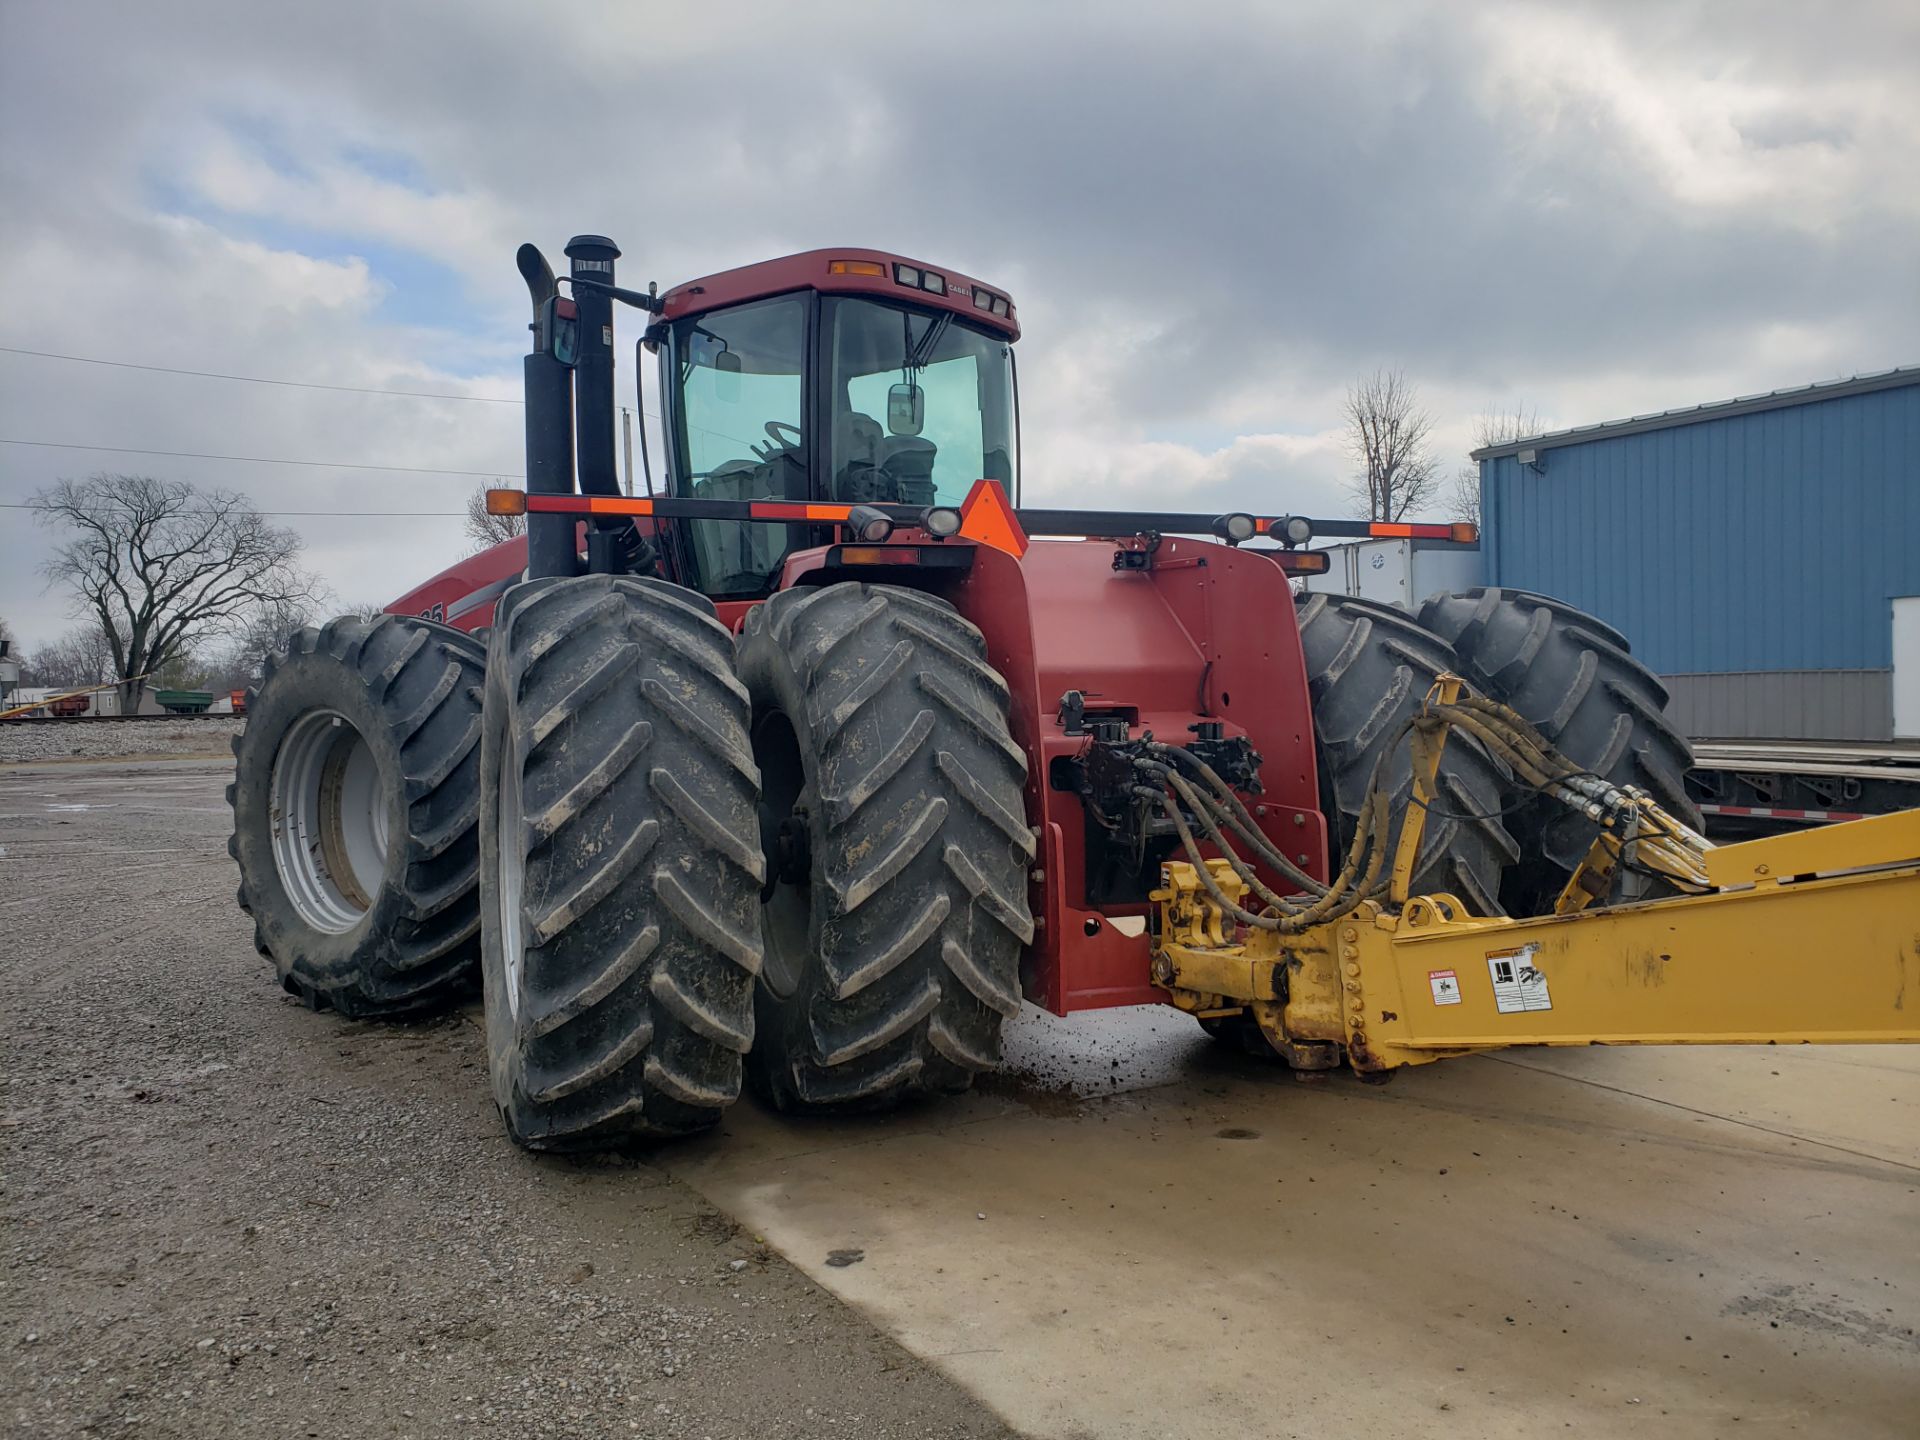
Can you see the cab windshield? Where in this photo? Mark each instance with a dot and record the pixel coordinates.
(739, 403)
(922, 405)
(913, 408)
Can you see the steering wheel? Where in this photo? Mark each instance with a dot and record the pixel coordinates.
(774, 429)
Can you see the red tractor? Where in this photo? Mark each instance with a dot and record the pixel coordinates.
(813, 765)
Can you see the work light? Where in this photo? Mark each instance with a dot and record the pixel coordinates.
(941, 520)
(869, 524)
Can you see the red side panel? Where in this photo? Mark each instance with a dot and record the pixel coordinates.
(1207, 633)
(463, 595)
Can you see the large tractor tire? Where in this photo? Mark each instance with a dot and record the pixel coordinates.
(355, 799)
(1576, 680)
(895, 908)
(620, 863)
(1369, 666)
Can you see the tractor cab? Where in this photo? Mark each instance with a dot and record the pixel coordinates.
(846, 376)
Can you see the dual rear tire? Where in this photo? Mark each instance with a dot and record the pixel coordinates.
(1577, 681)
(578, 809)
(620, 869)
(1572, 676)
(355, 804)
(894, 824)
(805, 864)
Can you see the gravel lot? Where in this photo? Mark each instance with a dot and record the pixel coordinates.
(86, 740)
(227, 1216)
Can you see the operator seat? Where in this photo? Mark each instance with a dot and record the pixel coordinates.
(907, 461)
(857, 440)
(730, 548)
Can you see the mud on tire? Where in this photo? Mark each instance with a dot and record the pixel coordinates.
(898, 847)
(355, 800)
(620, 861)
(1368, 668)
(1575, 678)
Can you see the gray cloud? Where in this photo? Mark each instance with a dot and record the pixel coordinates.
(1212, 220)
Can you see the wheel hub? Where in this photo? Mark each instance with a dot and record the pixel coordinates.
(329, 820)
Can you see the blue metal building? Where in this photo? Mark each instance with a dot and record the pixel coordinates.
(1757, 552)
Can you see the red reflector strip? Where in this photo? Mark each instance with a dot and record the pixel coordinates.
(587, 505)
(1400, 530)
(877, 554)
(1301, 562)
(788, 510)
(1771, 812)
(774, 510)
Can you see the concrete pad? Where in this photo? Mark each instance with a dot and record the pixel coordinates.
(1657, 1242)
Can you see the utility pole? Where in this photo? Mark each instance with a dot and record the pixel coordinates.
(626, 429)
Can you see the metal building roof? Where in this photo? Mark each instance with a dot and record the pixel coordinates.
(1717, 410)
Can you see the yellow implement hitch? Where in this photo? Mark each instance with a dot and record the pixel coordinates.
(1799, 939)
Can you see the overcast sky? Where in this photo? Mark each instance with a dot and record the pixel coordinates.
(1213, 218)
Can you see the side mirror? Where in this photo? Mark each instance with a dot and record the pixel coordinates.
(906, 409)
(726, 377)
(559, 329)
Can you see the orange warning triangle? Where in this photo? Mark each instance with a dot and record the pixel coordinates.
(987, 516)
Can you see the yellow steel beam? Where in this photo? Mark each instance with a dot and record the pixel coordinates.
(1832, 959)
(1856, 845)
(1429, 744)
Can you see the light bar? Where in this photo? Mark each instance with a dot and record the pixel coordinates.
(668, 509)
(857, 267)
(942, 521)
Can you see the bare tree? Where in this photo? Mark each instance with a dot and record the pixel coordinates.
(1388, 432)
(1493, 426)
(485, 531)
(264, 632)
(80, 657)
(162, 565)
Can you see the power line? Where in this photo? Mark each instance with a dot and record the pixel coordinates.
(262, 380)
(267, 460)
(311, 514)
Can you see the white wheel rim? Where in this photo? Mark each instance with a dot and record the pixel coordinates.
(510, 845)
(329, 821)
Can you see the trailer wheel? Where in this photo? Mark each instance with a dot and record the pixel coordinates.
(1576, 680)
(355, 797)
(620, 863)
(1368, 668)
(894, 820)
